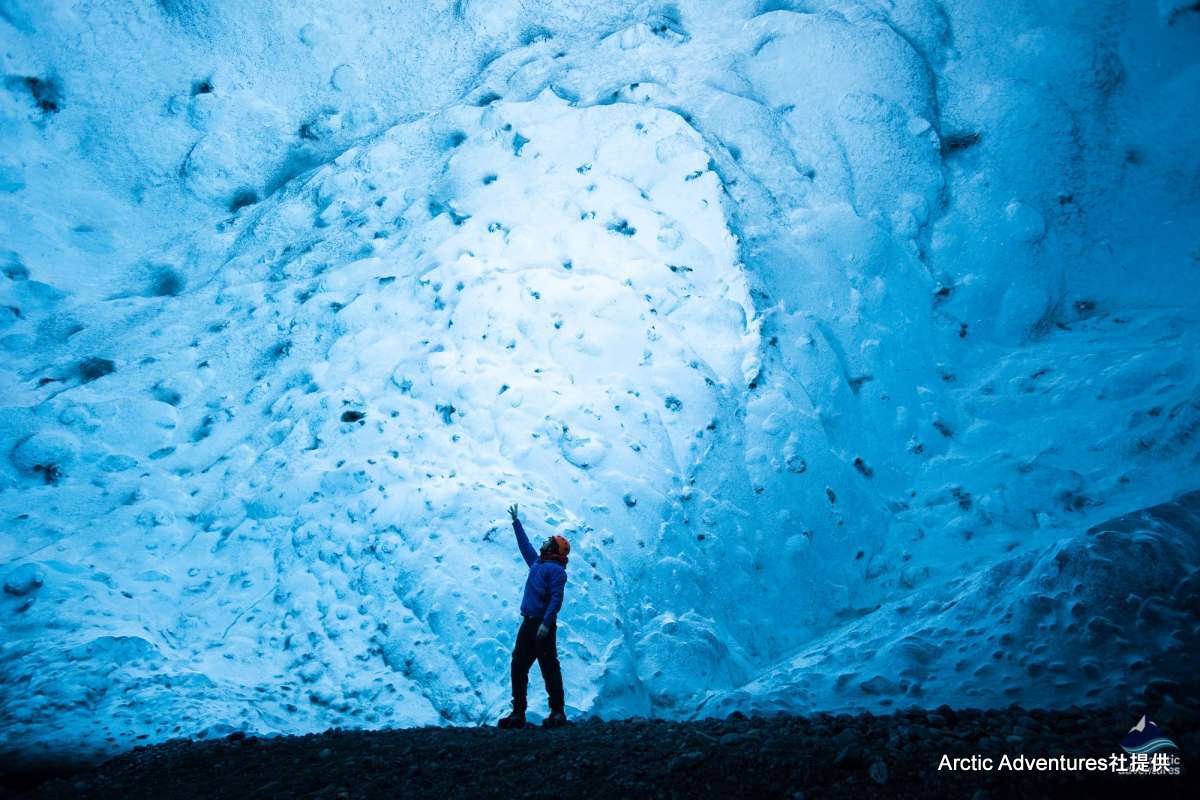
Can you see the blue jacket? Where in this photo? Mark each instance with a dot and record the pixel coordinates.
(544, 586)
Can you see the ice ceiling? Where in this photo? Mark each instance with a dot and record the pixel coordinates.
(853, 345)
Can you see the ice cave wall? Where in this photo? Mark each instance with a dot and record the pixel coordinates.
(824, 330)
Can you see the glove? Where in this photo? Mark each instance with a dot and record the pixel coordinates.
(543, 631)
(512, 512)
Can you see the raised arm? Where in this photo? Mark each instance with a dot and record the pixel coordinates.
(527, 551)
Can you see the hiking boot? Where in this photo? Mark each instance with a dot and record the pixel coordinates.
(514, 720)
(556, 720)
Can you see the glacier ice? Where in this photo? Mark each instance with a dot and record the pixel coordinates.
(853, 344)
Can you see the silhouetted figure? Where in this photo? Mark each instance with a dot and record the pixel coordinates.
(536, 637)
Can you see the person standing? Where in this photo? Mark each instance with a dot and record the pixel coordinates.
(536, 638)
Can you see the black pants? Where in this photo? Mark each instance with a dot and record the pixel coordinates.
(528, 649)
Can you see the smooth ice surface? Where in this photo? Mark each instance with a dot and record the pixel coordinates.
(848, 342)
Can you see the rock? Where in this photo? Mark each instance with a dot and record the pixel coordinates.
(325, 753)
(847, 738)
(878, 772)
(848, 758)
(685, 761)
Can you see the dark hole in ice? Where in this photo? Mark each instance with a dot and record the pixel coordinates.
(963, 497)
(953, 143)
(436, 208)
(1073, 501)
(667, 20)
(14, 269)
(455, 139)
(308, 131)
(166, 282)
(51, 473)
(519, 142)
(204, 430)
(279, 350)
(353, 416)
(242, 198)
(856, 383)
(166, 395)
(622, 227)
(862, 467)
(45, 92)
(202, 86)
(91, 369)
(673, 403)
(487, 98)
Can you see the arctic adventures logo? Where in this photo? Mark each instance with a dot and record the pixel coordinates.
(1150, 751)
(1146, 737)
(1147, 751)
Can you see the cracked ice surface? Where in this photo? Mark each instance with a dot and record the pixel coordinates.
(837, 337)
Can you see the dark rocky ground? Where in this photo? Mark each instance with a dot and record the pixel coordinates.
(822, 756)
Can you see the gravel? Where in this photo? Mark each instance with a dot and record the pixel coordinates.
(825, 756)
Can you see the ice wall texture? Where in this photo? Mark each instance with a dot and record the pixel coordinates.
(830, 333)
